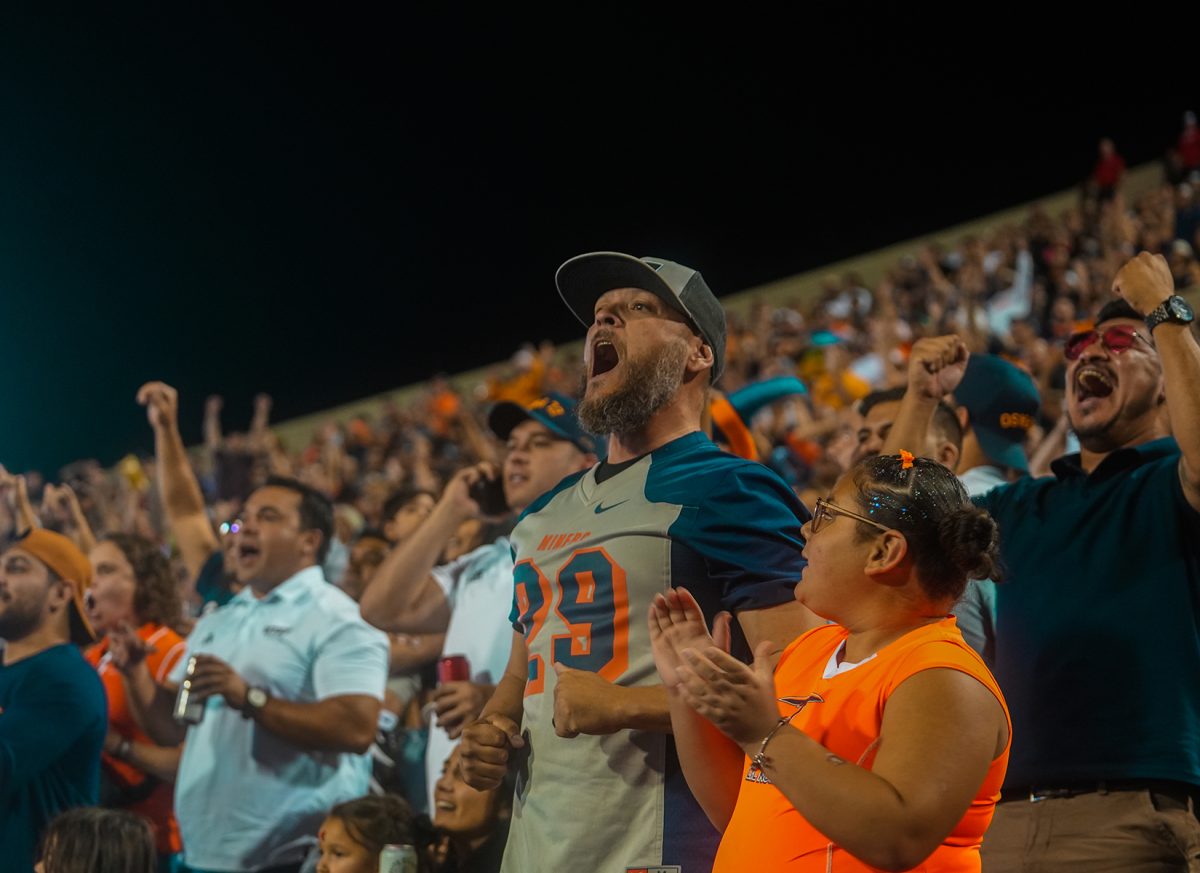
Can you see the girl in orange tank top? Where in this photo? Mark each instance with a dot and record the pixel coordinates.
(878, 742)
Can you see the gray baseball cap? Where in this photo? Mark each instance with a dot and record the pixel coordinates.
(584, 279)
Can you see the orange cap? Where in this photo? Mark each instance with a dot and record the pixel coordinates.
(64, 558)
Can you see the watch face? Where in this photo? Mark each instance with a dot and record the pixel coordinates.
(1179, 309)
(256, 697)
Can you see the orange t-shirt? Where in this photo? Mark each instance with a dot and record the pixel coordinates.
(844, 714)
(159, 806)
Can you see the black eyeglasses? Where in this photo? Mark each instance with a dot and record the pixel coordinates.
(1116, 339)
(826, 511)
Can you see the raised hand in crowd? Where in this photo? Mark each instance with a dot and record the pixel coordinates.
(16, 494)
(180, 492)
(60, 504)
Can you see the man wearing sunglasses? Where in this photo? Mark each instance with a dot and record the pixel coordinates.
(1098, 623)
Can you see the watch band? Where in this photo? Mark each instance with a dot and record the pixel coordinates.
(1174, 309)
(249, 707)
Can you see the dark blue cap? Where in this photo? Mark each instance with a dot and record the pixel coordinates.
(555, 411)
(1002, 402)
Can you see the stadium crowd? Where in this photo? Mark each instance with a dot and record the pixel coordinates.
(261, 657)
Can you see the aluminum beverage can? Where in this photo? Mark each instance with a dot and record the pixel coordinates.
(188, 710)
(398, 859)
(453, 668)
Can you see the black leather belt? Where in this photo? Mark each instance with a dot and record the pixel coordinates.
(1179, 793)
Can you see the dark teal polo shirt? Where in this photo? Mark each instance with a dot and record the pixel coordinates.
(1098, 620)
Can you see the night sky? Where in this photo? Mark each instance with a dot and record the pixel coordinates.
(327, 209)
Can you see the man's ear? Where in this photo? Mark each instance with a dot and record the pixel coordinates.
(701, 359)
(60, 595)
(312, 538)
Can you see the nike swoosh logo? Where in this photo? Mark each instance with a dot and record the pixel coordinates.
(600, 507)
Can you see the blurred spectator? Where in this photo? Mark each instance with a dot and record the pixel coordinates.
(132, 587)
(1109, 169)
(469, 598)
(405, 511)
(355, 832)
(205, 559)
(292, 680)
(878, 412)
(525, 381)
(92, 840)
(997, 407)
(473, 824)
(1189, 143)
(52, 712)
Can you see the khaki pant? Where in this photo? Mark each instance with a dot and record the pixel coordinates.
(1142, 831)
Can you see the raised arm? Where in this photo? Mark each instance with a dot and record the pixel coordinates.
(178, 488)
(1144, 283)
(403, 596)
(935, 367)
(13, 488)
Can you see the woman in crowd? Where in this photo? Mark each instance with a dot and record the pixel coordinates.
(878, 741)
(95, 840)
(133, 588)
(355, 832)
(473, 824)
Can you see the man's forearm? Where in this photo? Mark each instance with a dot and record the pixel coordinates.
(402, 597)
(177, 483)
(911, 426)
(508, 700)
(159, 761)
(645, 708)
(337, 724)
(1180, 355)
(153, 707)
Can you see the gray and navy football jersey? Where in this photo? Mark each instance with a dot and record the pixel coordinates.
(589, 558)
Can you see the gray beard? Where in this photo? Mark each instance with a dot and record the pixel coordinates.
(650, 385)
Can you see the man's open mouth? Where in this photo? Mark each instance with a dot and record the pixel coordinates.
(604, 357)
(1091, 381)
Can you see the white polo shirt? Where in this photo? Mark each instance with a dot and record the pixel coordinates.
(247, 799)
(479, 590)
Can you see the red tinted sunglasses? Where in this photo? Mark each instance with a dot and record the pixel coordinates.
(1116, 339)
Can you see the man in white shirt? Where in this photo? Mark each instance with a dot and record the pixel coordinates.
(469, 598)
(292, 680)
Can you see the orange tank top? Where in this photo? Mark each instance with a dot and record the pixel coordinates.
(159, 805)
(844, 713)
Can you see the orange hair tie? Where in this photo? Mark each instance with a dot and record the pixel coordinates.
(906, 460)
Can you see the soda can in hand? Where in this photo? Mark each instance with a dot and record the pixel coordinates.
(398, 859)
(453, 668)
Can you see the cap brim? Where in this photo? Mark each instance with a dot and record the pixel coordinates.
(1002, 451)
(505, 416)
(82, 633)
(584, 279)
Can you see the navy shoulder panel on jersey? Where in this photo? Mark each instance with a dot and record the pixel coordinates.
(738, 516)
